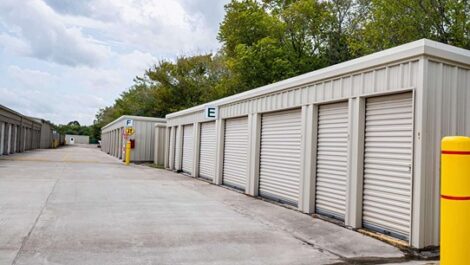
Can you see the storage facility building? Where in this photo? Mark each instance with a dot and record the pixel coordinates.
(77, 139)
(113, 142)
(358, 141)
(46, 133)
(18, 133)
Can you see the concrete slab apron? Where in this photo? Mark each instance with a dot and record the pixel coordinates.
(22, 200)
(102, 212)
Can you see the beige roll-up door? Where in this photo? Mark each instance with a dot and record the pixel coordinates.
(187, 148)
(120, 143)
(207, 151)
(332, 160)
(168, 147)
(178, 148)
(280, 156)
(235, 172)
(2, 137)
(172, 151)
(387, 164)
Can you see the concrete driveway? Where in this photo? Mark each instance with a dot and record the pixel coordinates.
(77, 205)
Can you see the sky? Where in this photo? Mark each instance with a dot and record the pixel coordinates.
(63, 60)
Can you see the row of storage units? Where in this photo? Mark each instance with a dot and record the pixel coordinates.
(357, 141)
(19, 133)
(113, 139)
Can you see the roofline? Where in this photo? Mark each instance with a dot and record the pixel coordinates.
(409, 50)
(31, 119)
(138, 118)
(41, 120)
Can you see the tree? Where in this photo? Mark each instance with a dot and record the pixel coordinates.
(274, 40)
(75, 128)
(74, 123)
(265, 41)
(168, 87)
(390, 23)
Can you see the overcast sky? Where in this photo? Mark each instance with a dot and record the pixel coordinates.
(62, 60)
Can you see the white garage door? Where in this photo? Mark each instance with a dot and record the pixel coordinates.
(332, 160)
(172, 158)
(236, 152)
(187, 148)
(387, 164)
(207, 151)
(280, 156)
(2, 137)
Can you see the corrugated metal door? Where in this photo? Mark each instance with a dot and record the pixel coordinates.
(168, 148)
(387, 164)
(172, 153)
(121, 142)
(236, 153)
(178, 148)
(280, 156)
(2, 137)
(6, 139)
(332, 160)
(187, 148)
(207, 151)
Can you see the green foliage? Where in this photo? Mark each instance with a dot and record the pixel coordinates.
(169, 87)
(390, 23)
(264, 41)
(75, 128)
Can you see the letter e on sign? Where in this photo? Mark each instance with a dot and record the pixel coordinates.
(211, 112)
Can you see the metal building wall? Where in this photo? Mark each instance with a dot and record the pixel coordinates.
(160, 144)
(46, 135)
(407, 68)
(446, 112)
(144, 141)
(13, 129)
(144, 137)
(78, 139)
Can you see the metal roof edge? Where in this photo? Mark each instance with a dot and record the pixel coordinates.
(31, 119)
(84, 135)
(41, 120)
(10, 110)
(408, 50)
(138, 118)
(447, 52)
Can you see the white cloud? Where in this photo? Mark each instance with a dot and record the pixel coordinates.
(137, 61)
(65, 59)
(14, 44)
(30, 78)
(31, 102)
(48, 37)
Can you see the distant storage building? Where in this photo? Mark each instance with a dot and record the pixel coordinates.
(77, 139)
(46, 133)
(358, 141)
(18, 133)
(113, 142)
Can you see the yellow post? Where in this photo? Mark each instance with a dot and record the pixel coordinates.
(128, 152)
(455, 201)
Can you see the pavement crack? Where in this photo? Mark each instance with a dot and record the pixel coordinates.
(289, 232)
(371, 261)
(26, 238)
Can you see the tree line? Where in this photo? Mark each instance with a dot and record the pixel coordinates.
(266, 41)
(75, 128)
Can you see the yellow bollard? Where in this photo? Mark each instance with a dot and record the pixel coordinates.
(455, 200)
(128, 152)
